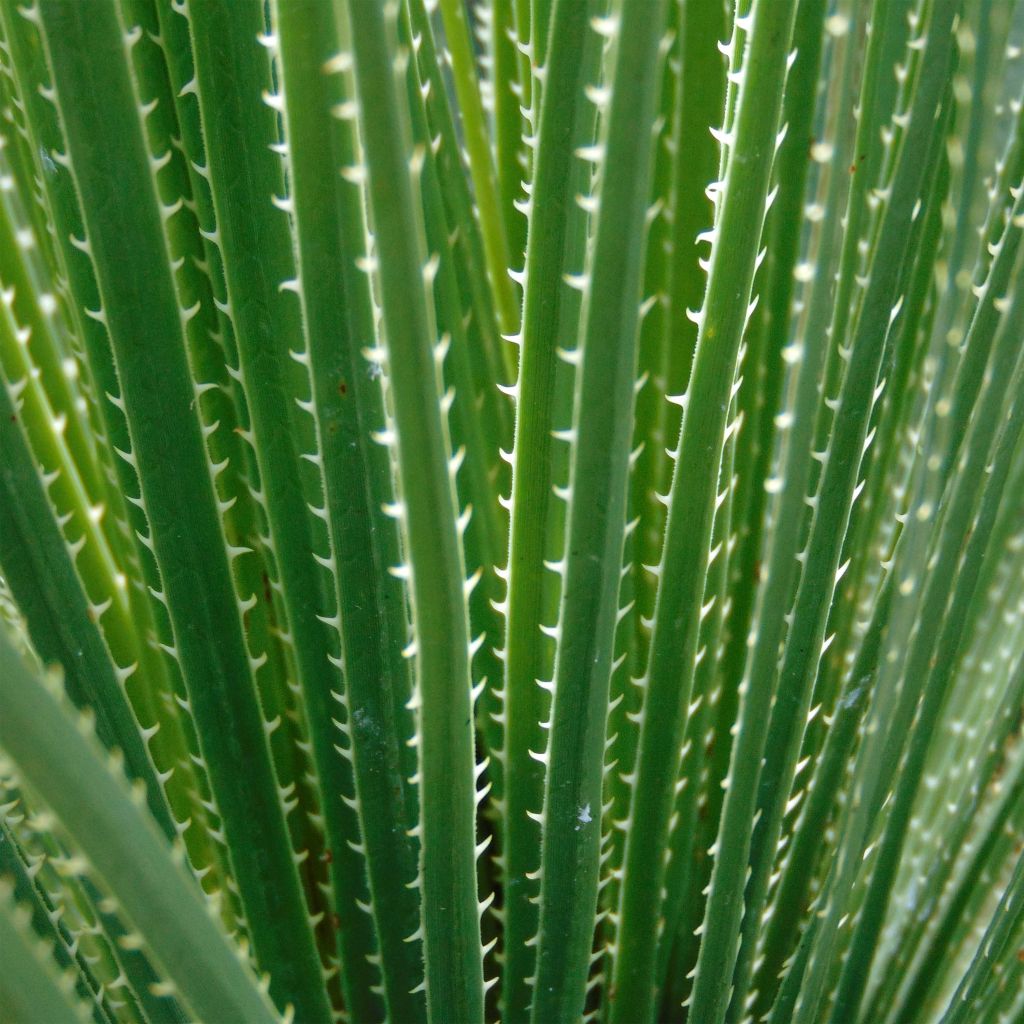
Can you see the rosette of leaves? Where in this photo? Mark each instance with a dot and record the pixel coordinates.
(511, 510)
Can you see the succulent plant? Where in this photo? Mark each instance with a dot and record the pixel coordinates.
(512, 510)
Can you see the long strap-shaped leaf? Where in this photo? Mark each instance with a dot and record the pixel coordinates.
(30, 986)
(23, 269)
(803, 646)
(1005, 924)
(123, 520)
(348, 399)
(124, 222)
(914, 971)
(253, 231)
(677, 616)
(41, 573)
(493, 361)
(793, 472)
(765, 370)
(596, 522)
(91, 936)
(508, 120)
(72, 265)
(480, 159)
(50, 272)
(47, 918)
(450, 919)
(959, 550)
(797, 873)
(556, 237)
(475, 419)
(74, 276)
(64, 764)
(958, 554)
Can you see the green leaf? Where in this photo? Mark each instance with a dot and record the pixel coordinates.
(678, 611)
(555, 242)
(30, 987)
(450, 922)
(596, 522)
(126, 239)
(348, 404)
(64, 764)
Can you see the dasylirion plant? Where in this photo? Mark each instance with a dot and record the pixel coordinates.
(512, 511)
